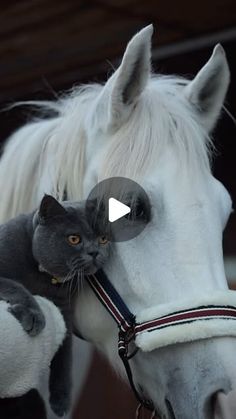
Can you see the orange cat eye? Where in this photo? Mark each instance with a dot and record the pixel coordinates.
(74, 239)
(103, 240)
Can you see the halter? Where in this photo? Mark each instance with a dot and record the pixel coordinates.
(132, 331)
(126, 322)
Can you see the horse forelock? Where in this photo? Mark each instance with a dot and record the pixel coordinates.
(161, 117)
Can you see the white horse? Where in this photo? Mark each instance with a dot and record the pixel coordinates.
(154, 130)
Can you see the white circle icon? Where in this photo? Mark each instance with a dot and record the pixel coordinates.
(116, 209)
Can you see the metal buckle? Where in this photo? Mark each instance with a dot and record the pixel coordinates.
(123, 343)
(139, 412)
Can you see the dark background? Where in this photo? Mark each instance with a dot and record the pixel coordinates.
(49, 46)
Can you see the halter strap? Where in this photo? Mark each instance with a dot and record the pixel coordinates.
(187, 316)
(125, 320)
(111, 300)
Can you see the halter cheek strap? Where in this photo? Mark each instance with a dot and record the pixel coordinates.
(125, 320)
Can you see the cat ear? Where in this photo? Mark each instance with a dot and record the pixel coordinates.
(50, 208)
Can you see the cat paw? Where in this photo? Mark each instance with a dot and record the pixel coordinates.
(31, 319)
(60, 403)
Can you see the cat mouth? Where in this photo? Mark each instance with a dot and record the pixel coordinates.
(92, 267)
(89, 267)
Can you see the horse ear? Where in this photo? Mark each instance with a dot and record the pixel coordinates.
(50, 208)
(130, 79)
(208, 89)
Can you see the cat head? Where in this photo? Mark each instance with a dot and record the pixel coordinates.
(64, 240)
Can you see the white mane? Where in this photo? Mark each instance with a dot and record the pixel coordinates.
(162, 116)
(67, 140)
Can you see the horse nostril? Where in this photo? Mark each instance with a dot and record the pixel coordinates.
(93, 254)
(222, 405)
(170, 409)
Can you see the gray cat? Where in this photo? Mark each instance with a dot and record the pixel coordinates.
(44, 253)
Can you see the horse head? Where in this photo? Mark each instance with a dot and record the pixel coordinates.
(157, 130)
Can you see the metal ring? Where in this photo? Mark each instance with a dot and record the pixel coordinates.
(138, 411)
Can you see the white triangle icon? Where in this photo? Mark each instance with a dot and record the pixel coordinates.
(116, 209)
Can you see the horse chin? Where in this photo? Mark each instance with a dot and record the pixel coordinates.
(195, 380)
(219, 406)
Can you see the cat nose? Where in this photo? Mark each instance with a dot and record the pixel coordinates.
(93, 254)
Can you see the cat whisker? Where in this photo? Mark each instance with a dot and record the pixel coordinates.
(75, 290)
(70, 285)
(67, 280)
(79, 284)
(80, 280)
(74, 281)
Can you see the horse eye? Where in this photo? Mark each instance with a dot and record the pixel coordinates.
(74, 239)
(138, 211)
(103, 240)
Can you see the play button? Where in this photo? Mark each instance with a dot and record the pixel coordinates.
(118, 208)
